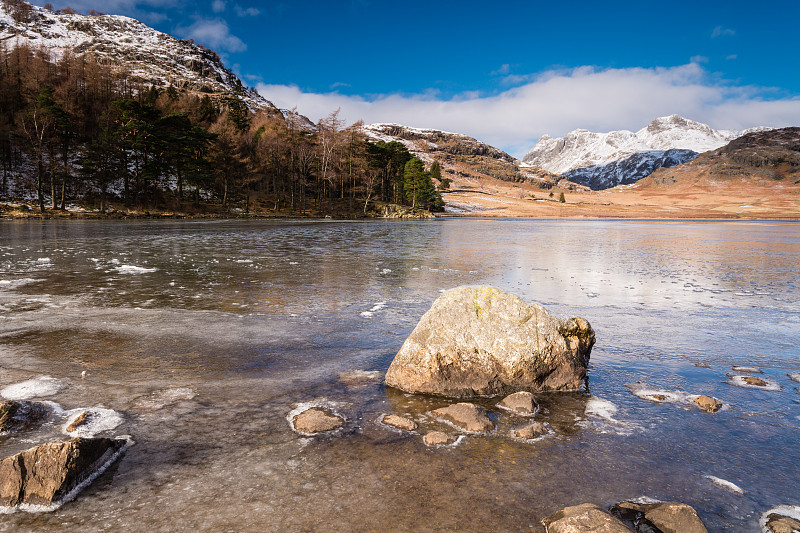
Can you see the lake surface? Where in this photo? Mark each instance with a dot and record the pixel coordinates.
(197, 338)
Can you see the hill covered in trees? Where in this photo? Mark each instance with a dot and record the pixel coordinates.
(75, 127)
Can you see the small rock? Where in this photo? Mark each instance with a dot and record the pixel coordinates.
(47, 473)
(80, 420)
(657, 397)
(794, 376)
(16, 415)
(537, 429)
(667, 517)
(750, 380)
(400, 422)
(437, 438)
(316, 420)
(584, 518)
(708, 404)
(522, 403)
(782, 524)
(702, 365)
(466, 416)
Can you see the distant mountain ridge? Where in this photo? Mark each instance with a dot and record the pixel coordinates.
(146, 54)
(603, 160)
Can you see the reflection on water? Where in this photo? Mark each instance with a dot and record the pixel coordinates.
(204, 335)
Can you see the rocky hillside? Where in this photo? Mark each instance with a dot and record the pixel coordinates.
(603, 160)
(148, 55)
(765, 158)
(461, 156)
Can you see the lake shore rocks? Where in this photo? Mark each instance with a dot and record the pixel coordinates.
(481, 341)
(466, 416)
(522, 403)
(46, 474)
(399, 422)
(752, 380)
(708, 404)
(531, 431)
(778, 523)
(438, 438)
(583, 518)
(667, 517)
(17, 415)
(316, 420)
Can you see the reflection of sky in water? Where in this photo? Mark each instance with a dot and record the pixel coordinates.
(256, 317)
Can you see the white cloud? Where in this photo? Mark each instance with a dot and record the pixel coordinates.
(246, 12)
(556, 102)
(719, 31)
(732, 56)
(213, 33)
(218, 6)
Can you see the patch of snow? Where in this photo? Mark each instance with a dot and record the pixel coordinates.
(739, 381)
(99, 420)
(724, 484)
(133, 269)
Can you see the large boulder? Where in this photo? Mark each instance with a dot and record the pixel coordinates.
(584, 518)
(44, 475)
(481, 341)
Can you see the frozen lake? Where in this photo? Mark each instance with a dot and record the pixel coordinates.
(197, 338)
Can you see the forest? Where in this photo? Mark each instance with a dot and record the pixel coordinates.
(74, 131)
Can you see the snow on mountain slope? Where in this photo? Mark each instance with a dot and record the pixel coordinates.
(602, 160)
(149, 55)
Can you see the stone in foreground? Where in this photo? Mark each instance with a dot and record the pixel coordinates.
(481, 341)
(522, 403)
(667, 517)
(316, 420)
(754, 381)
(537, 429)
(466, 416)
(777, 523)
(584, 518)
(44, 475)
(708, 404)
(399, 422)
(437, 438)
(17, 415)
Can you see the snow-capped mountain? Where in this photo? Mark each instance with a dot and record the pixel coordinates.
(603, 160)
(146, 54)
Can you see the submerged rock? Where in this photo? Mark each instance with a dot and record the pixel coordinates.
(17, 415)
(537, 429)
(46, 474)
(481, 341)
(316, 420)
(466, 416)
(747, 369)
(437, 438)
(522, 403)
(584, 518)
(399, 422)
(666, 517)
(708, 404)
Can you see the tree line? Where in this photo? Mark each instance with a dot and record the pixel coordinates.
(73, 129)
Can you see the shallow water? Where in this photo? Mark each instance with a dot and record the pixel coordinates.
(202, 336)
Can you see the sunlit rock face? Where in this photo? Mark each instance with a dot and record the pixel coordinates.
(481, 341)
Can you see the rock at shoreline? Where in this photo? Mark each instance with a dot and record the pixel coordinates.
(777, 523)
(17, 415)
(584, 518)
(44, 475)
(756, 382)
(466, 416)
(316, 420)
(522, 403)
(708, 404)
(79, 421)
(794, 376)
(537, 429)
(399, 422)
(667, 517)
(481, 341)
(437, 438)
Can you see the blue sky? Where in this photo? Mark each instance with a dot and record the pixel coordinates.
(504, 72)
